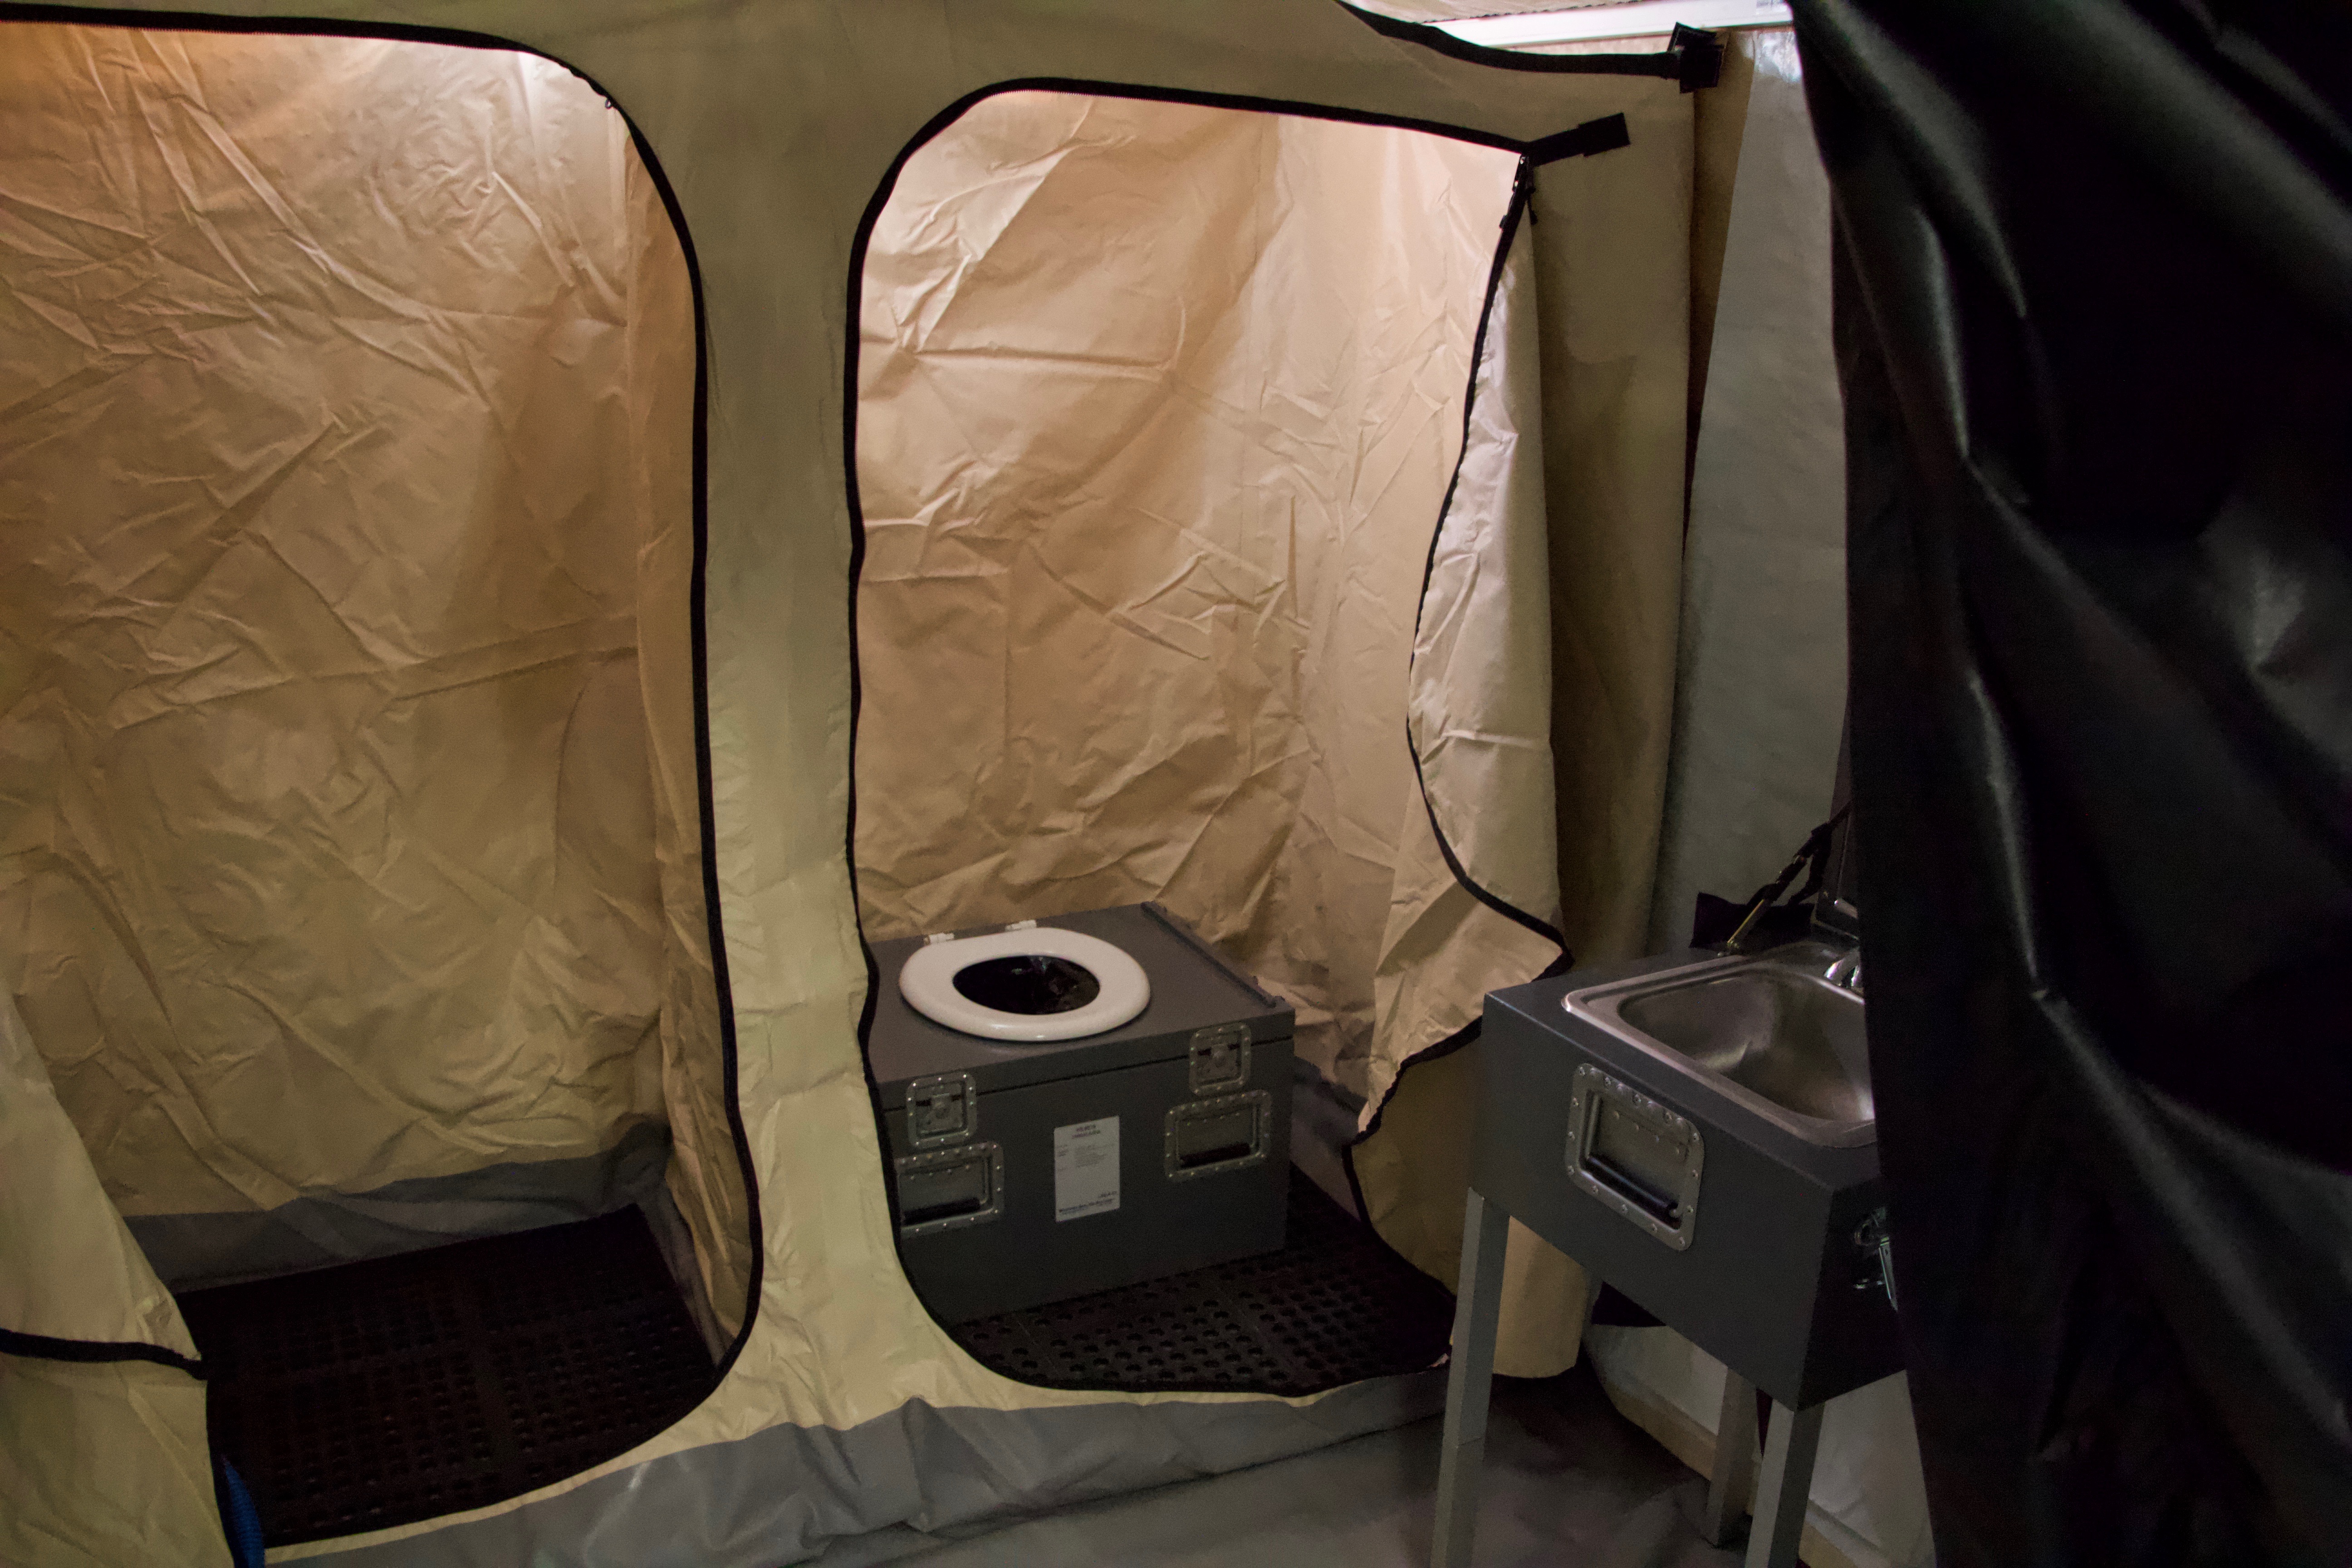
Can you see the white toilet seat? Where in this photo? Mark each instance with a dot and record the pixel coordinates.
(928, 983)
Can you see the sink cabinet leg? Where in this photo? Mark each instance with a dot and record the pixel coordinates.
(1728, 1489)
(1478, 1305)
(1788, 1447)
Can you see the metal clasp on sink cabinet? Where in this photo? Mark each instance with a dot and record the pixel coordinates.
(1872, 1239)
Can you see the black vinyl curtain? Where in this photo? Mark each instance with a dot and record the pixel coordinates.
(2095, 319)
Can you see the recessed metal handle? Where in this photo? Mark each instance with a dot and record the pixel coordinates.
(946, 1189)
(1207, 1136)
(1631, 1187)
(1640, 1158)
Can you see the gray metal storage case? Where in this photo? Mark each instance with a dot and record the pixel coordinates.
(989, 1142)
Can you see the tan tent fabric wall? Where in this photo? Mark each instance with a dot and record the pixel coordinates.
(1102, 657)
(1481, 709)
(827, 1350)
(1616, 369)
(1159, 405)
(706, 1170)
(73, 1272)
(1612, 269)
(101, 1464)
(337, 455)
(105, 1465)
(776, 124)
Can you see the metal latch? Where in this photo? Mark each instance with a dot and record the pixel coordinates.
(941, 1110)
(1220, 1059)
(1871, 1236)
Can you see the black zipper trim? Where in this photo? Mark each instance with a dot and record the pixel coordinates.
(1692, 56)
(46, 1347)
(697, 597)
(1522, 195)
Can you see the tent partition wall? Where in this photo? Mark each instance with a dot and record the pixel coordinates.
(1160, 404)
(433, 510)
(1237, 404)
(354, 882)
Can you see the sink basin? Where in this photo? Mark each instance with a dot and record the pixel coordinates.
(1762, 1031)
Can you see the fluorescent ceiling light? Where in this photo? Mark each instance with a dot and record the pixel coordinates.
(1640, 19)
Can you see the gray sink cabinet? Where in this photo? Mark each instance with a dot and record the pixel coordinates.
(1727, 1181)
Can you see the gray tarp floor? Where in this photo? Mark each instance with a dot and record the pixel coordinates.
(1568, 1480)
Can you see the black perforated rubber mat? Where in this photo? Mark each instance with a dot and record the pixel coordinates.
(1334, 1306)
(404, 1388)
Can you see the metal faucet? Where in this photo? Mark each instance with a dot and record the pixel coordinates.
(1845, 971)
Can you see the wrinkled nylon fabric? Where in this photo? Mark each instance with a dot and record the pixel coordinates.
(105, 1464)
(1158, 409)
(73, 1273)
(1760, 693)
(1156, 398)
(2094, 339)
(345, 383)
(102, 1463)
(776, 125)
(1479, 709)
(779, 1495)
(1612, 279)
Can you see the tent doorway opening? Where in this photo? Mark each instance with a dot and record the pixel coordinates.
(351, 855)
(1161, 413)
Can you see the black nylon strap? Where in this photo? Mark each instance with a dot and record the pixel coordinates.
(45, 1348)
(1605, 134)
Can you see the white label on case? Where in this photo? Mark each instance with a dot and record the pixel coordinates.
(1086, 1168)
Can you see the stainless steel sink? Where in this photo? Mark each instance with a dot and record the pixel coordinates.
(1766, 1031)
